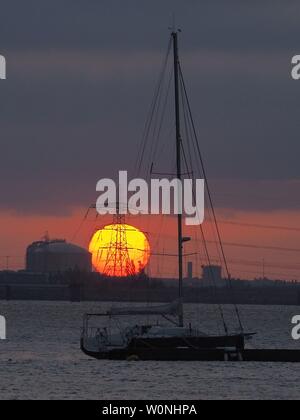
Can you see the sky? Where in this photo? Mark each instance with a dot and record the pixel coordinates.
(81, 76)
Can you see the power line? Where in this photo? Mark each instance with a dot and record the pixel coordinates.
(259, 226)
(243, 245)
(266, 247)
(261, 263)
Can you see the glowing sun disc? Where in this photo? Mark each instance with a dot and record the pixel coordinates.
(119, 250)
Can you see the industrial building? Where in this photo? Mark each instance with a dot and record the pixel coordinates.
(212, 275)
(57, 256)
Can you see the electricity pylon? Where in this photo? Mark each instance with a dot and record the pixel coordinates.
(118, 262)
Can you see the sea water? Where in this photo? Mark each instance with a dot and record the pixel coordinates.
(41, 358)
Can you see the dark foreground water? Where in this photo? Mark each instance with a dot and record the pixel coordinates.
(41, 359)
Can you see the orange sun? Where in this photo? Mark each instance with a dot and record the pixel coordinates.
(119, 250)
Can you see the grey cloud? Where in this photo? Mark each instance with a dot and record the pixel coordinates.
(256, 195)
(81, 76)
(136, 24)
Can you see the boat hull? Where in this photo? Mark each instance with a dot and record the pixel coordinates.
(205, 342)
(201, 355)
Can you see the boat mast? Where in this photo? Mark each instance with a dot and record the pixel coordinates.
(179, 173)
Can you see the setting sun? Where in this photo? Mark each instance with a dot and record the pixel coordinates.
(119, 250)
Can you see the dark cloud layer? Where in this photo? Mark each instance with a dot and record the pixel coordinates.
(107, 24)
(81, 76)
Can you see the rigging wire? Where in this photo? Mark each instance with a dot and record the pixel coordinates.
(189, 169)
(155, 148)
(209, 193)
(153, 107)
(208, 259)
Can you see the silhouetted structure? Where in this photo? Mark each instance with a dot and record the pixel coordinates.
(54, 256)
(212, 275)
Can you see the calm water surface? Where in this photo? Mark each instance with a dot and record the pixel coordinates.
(41, 359)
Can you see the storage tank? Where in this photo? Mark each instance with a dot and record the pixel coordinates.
(56, 256)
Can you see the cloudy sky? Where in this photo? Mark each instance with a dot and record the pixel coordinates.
(81, 75)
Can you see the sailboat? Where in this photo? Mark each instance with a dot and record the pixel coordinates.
(177, 340)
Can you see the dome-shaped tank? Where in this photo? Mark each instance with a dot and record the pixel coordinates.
(54, 256)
